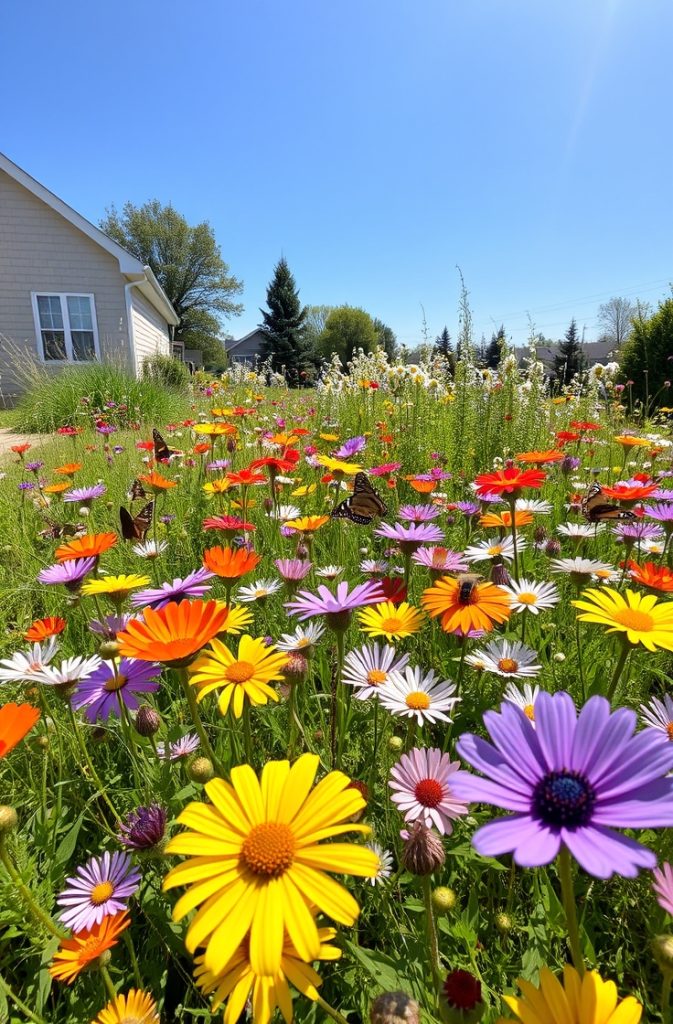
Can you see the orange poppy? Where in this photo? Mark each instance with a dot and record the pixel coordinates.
(16, 720)
(479, 609)
(56, 488)
(75, 954)
(230, 563)
(509, 481)
(540, 458)
(503, 519)
(90, 546)
(156, 482)
(42, 629)
(69, 469)
(174, 634)
(655, 577)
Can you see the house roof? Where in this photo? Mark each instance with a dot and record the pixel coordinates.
(129, 266)
(234, 343)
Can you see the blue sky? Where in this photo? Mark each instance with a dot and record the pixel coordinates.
(375, 143)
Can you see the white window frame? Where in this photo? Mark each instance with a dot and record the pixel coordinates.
(63, 298)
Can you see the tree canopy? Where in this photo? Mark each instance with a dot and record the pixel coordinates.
(646, 359)
(347, 329)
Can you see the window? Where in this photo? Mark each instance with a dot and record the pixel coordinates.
(65, 326)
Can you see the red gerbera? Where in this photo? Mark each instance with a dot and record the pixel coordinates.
(394, 589)
(228, 524)
(509, 481)
(246, 477)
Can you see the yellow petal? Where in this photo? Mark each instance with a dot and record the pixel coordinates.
(297, 787)
(226, 800)
(232, 927)
(246, 784)
(274, 778)
(325, 893)
(267, 931)
(345, 858)
(299, 921)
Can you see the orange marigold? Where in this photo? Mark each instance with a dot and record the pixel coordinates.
(42, 629)
(540, 458)
(77, 953)
(655, 577)
(156, 482)
(484, 605)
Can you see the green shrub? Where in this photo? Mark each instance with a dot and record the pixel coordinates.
(166, 371)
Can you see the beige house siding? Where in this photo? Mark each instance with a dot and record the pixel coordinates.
(40, 251)
(150, 330)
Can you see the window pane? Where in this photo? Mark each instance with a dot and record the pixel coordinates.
(82, 345)
(79, 311)
(53, 344)
(49, 308)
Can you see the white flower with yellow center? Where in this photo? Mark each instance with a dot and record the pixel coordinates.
(523, 698)
(502, 549)
(529, 596)
(258, 591)
(508, 658)
(412, 694)
(370, 667)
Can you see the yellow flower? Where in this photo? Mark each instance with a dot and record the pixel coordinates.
(256, 864)
(338, 466)
(390, 620)
(218, 486)
(237, 619)
(136, 1007)
(329, 437)
(115, 587)
(214, 429)
(302, 492)
(587, 1000)
(238, 982)
(246, 675)
(627, 441)
(307, 524)
(640, 617)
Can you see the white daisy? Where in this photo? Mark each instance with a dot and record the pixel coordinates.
(509, 658)
(503, 548)
(24, 666)
(385, 865)
(529, 596)
(285, 512)
(658, 714)
(150, 548)
(653, 547)
(580, 569)
(70, 671)
(580, 531)
(304, 639)
(411, 694)
(524, 699)
(374, 567)
(535, 505)
(369, 668)
(607, 576)
(330, 572)
(258, 591)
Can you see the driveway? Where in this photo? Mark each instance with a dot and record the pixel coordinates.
(9, 438)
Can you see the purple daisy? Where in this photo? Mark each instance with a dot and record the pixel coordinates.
(102, 693)
(570, 781)
(293, 569)
(663, 495)
(85, 495)
(440, 560)
(69, 574)
(662, 512)
(183, 747)
(110, 625)
(350, 447)
(468, 508)
(191, 586)
(143, 828)
(422, 788)
(662, 883)
(336, 608)
(630, 532)
(410, 538)
(419, 513)
(101, 888)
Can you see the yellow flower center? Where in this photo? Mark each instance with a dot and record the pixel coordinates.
(115, 683)
(527, 598)
(639, 622)
(418, 701)
(269, 849)
(508, 665)
(101, 893)
(375, 677)
(529, 712)
(391, 625)
(495, 549)
(239, 672)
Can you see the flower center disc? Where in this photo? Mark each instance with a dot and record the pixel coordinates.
(669, 730)
(392, 625)
(641, 622)
(564, 799)
(529, 712)
(526, 598)
(375, 677)
(101, 893)
(429, 792)
(239, 672)
(508, 665)
(269, 849)
(114, 683)
(418, 701)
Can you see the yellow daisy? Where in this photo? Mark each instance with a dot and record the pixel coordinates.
(117, 588)
(337, 466)
(627, 441)
(587, 1000)
(237, 619)
(256, 864)
(136, 1007)
(246, 675)
(393, 621)
(303, 491)
(218, 486)
(307, 524)
(238, 982)
(641, 617)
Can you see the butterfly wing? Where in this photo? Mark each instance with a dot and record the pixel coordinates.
(161, 449)
(136, 529)
(596, 510)
(362, 506)
(137, 491)
(127, 524)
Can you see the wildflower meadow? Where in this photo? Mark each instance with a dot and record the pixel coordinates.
(349, 703)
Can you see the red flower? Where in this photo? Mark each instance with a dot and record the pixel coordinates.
(509, 481)
(394, 589)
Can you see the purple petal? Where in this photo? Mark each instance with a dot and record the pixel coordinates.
(532, 843)
(555, 724)
(486, 759)
(474, 789)
(643, 759)
(602, 852)
(650, 806)
(516, 740)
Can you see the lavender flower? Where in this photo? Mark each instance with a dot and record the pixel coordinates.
(191, 586)
(85, 495)
(34, 467)
(143, 828)
(101, 888)
(410, 538)
(293, 569)
(440, 560)
(104, 691)
(183, 747)
(110, 625)
(419, 513)
(69, 574)
(350, 447)
(468, 508)
(632, 532)
(336, 608)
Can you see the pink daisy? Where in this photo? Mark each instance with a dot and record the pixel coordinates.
(420, 781)
(663, 886)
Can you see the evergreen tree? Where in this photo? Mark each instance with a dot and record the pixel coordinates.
(283, 325)
(386, 338)
(494, 349)
(570, 359)
(443, 347)
(646, 359)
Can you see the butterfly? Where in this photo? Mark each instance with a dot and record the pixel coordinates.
(362, 505)
(161, 450)
(137, 492)
(55, 530)
(596, 510)
(136, 529)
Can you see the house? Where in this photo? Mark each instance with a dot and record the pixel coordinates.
(69, 294)
(594, 352)
(248, 349)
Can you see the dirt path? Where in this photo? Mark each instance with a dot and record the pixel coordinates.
(9, 438)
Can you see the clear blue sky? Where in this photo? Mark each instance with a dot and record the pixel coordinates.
(375, 143)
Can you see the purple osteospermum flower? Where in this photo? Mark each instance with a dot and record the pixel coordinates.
(101, 888)
(69, 574)
(440, 559)
(663, 495)
(293, 569)
(422, 784)
(419, 513)
(191, 586)
(143, 828)
(570, 781)
(85, 495)
(662, 883)
(337, 607)
(103, 691)
(662, 512)
(34, 467)
(637, 531)
(410, 538)
(110, 625)
(350, 447)
(468, 508)
(183, 747)
(219, 464)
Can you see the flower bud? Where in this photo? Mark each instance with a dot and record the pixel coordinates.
(499, 575)
(148, 721)
(395, 744)
(559, 657)
(295, 668)
(201, 770)
(394, 1008)
(318, 735)
(108, 649)
(552, 548)
(104, 958)
(423, 850)
(443, 899)
(503, 923)
(662, 950)
(8, 819)
(461, 998)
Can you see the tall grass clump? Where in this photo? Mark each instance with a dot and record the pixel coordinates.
(167, 372)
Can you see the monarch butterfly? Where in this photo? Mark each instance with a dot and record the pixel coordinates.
(161, 450)
(467, 581)
(362, 505)
(136, 529)
(137, 491)
(596, 510)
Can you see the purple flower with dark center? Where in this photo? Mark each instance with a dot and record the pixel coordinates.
(468, 508)
(101, 888)
(143, 828)
(419, 513)
(630, 532)
(191, 586)
(183, 747)
(410, 538)
(570, 781)
(85, 495)
(106, 689)
(218, 464)
(118, 449)
(69, 574)
(110, 625)
(350, 447)
(337, 608)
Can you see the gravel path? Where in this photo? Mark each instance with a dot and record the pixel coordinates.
(9, 438)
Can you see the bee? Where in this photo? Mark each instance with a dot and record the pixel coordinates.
(467, 582)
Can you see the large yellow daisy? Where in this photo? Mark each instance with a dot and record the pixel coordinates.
(641, 617)
(256, 864)
(393, 621)
(587, 1000)
(338, 466)
(246, 674)
(135, 1008)
(115, 587)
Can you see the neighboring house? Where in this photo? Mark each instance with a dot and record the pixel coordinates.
(594, 352)
(192, 356)
(69, 295)
(247, 349)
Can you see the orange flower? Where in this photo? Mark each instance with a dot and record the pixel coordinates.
(16, 720)
(503, 519)
(20, 449)
(509, 481)
(540, 458)
(174, 634)
(484, 605)
(230, 563)
(630, 492)
(75, 954)
(56, 488)
(201, 448)
(90, 546)
(156, 482)
(629, 441)
(44, 628)
(422, 486)
(246, 477)
(655, 577)
(69, 469)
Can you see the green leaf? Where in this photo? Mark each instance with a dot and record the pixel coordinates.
(66, 847)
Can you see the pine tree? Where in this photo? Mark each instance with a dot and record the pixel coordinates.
(494, 349)
(570, 359)
(442, 346)
(283, 326)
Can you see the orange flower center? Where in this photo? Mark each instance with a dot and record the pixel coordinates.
(375, 677)
(508, 665)
(438, 557)
(418, 701)
(391, 625)
(527, 598)
(101, 892)
(91, 948)
(633, 619)
(115, 683)
(269, 849)
(429, 792)
(495, 549)
(529, 712)
(239, 672)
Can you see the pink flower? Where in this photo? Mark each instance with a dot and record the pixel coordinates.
(663, 886)
(420, 781)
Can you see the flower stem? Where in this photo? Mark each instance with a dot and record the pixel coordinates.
(340, 702)
(37, 912)
(330, 1011)
(568, 899)
(28, 1014)
(666, 997)
(247, 734)
(89, 763)
(196, 718)
(512, 506)
(619, 667)
(107, 981)
(433, 943)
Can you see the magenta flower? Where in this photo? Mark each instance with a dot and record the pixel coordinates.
(385, 469)
(336, 608)
(193, 585)
(104, 690)
(143, 828)
(410, 538)
(419, 513)
(69, 574)
(101, 888)
(570, 781)
(422, 788)
(663, 886)
(440, 560)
